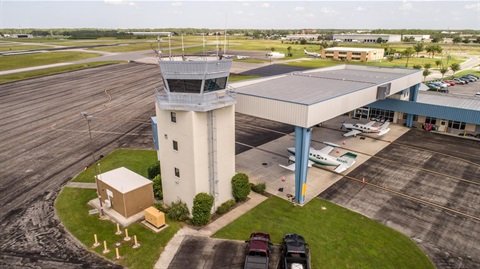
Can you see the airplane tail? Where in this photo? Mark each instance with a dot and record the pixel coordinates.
(384, 128)
(348, 159)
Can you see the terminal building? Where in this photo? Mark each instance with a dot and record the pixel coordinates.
(366, 38)
(352, 54)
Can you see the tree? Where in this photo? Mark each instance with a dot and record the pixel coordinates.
(408, 53)
(303, 41)
(455, 67)
(417, 66)
(153, 170)
(466, 40)
(379, 40)
(157, 187)
(438, 49)
(443, 70)
(429, 49)
(427, 65)
(426, 73)
(240, 187)
(202, 204)
(289, 51)
(418, 47)
(438, 63)
(456, 40)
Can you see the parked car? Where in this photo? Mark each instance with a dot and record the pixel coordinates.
(295, 252)
(473, 76)
(466, 80)
(459, 81)
(258, 251)
(469, 79)
(451, 82)
(441, 84)
(432, 86)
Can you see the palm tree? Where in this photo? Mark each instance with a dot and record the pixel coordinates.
(289, 51)
(455, 67)
(429, 49)
(443, 70)
(418, 47)
(426, 72)
(407, 53)
(438, 63)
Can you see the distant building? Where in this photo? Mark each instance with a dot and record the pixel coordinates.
(19, 35)
(152, 33)
(299, 37)
(417, 37)
(352, 54)
(366, 38)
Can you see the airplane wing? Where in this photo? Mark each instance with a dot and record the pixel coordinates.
(384, 128)
(352, 132)
(326, 149)
(349, 160)
(291, 166)
(370, 124)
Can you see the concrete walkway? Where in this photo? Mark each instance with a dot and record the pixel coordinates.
(81, 185)
(171, 249)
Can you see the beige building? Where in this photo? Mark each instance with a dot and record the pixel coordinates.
(125, 191)
(195, 116)
(352, 54)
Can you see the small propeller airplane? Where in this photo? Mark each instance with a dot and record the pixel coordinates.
(322, 157)
(314, 54)
(359, 128)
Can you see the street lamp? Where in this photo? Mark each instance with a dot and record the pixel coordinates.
(89, 118)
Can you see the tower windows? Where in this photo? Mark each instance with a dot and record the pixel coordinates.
(173, 116)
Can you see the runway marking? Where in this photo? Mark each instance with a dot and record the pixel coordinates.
(109, 99)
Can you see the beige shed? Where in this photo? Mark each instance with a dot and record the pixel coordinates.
(125, 191)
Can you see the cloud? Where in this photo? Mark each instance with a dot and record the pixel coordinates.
(266, 5)
(299, 9)
(176, 4)
(406, 6)
(309, 15)
(327, 10)
(473, 6)
(113, 2)
(360, 8)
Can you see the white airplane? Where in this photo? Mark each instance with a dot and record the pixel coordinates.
(322, 157)
(242, 57)
(314, 54)
(359, 128)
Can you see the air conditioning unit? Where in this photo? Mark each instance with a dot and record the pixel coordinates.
(108, 204)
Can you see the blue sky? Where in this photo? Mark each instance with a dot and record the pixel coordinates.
(122, 14)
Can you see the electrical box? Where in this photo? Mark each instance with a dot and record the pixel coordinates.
(154, 217)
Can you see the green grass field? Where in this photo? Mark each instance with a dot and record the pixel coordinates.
(338, 238)
(136, 160)
(44, 58)
(51, 71)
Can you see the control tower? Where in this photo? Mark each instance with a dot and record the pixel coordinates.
(196, 128)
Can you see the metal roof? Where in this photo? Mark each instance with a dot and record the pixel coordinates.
(311, 87)
(123, 180)
(449, 100)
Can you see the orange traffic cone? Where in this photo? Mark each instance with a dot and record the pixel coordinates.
(363, 180)
(283, 179)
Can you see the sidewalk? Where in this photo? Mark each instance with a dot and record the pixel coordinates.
(172, 246)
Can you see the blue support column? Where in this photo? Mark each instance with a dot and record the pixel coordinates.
(302, 150)
(413, 98)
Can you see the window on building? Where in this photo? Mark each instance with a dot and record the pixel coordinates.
(173, 116)
(456, 125)
(175, 145)
(177, 172)
(185, 85)
(431, 120)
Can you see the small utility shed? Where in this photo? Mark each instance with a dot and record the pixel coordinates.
(304, 99)
(125, 191)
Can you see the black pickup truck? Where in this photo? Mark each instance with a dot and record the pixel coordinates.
(258, 251)
(295, 252)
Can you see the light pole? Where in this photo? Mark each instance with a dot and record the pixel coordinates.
(89, 118)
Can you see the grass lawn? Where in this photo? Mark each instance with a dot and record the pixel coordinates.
(44, 58)
(234, 78)
(72, 208)
(51, 71)
(338, 238)
(136, 160)
(4, 47)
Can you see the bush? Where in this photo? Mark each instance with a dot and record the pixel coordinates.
(259, 188)
(202, 204)
(161, 207)
(225, 207)
(178, 211)
(157, 187)
(240, 187)
(153, 170)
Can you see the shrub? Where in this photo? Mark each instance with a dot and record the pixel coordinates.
(153, 170)
(178, 211)
(225, 207)
(240, 187)
(202, 204)
(258, 188)
(161, 207)
(157, 187)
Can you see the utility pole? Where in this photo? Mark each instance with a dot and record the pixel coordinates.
(90, 118)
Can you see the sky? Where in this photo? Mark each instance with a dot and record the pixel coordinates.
(131, 14)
